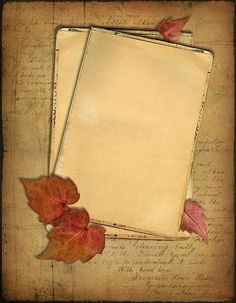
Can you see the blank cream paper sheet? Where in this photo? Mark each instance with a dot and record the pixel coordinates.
(131, 131)
(70, 44)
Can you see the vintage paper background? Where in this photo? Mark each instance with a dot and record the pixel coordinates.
(128, 269)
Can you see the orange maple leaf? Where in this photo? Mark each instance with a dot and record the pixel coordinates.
(171, 30)
(71, 239)
(49, 196)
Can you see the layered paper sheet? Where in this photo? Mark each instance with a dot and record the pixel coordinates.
(70, 44)
(132, 126)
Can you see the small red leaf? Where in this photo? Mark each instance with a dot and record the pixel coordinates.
(71, 239)
(171, 30)
(49, 196)
(193, 220)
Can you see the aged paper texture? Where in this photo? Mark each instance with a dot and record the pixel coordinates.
(69, 49)
(127, 129)
(70, 44)
(128, 269)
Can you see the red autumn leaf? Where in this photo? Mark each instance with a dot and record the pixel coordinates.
(193, 219)
(171, 30)
(71, 239)
(49, 196)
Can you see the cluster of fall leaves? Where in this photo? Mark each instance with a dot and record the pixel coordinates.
(72, 237)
